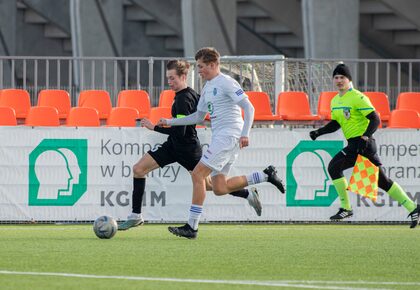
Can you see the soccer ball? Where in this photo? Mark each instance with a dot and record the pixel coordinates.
(105, 227)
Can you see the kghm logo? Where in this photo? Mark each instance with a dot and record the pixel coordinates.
(58, 172)
(307, 179)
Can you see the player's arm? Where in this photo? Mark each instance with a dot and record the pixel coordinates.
(371, 128)
(373, 124)
(330, 127)
(183, 108)
(194, 118)
(249, 110)
(365, 107)
(146, 123)
(163, 130)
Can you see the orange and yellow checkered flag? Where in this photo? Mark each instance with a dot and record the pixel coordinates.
(364, 179)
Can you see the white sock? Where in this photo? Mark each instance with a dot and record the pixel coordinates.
(194, 218)
(256, 177)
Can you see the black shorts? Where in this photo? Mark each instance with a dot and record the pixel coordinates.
(370, 152)
(347, 157)
(188, 157)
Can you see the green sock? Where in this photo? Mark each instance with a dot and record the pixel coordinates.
(397, 193)
(341, 187)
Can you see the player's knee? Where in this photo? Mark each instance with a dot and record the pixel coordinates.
(220, 190)
(139, 171)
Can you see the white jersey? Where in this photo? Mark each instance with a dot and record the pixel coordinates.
(219, 98)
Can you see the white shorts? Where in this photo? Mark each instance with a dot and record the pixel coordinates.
(221, 154)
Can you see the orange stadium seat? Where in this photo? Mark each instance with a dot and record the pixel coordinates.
(58, 99)
(324, 104)
(17, 99)
(294, 106)
(404, 119)
(137, 99)
(262, 106)
(98, 99)
(83, 117)
(166, 98)
(42, 116)
(409, 100)
(7, 116)
(123, 117)
(381, 103)
(159, 112)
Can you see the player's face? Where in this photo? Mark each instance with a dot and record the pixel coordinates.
(205, 70)
(175, 81)
(341, 82)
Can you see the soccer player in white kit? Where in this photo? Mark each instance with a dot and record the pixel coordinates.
(222, 97)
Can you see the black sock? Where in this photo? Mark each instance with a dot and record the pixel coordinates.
(138, 192)
(240, 193)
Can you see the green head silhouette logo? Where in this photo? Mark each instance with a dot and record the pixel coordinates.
(57, 172)
(308, 182)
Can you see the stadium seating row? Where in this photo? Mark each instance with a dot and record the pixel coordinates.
(132, 104)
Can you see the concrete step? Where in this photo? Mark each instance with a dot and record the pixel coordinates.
(407, 37)
(250, 10)
(136, 13)
(20, 5)
(288, 41)
(53, 31)
(250, 22)
(174, 43)
(296, 52)
(154, 28)
(270, 26)
(391, 22)
(374, 7)
(30, 16)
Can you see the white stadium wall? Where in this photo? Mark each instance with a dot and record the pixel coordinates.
(69, 174)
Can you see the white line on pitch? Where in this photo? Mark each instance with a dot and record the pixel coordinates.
(292, 284)
(41, 228)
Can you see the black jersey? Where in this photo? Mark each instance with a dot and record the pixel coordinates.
(185, 103)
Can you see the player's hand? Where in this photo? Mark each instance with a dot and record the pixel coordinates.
(243, 142)
(363, 144)
(147, 124)
(314, 134)
(162, 122)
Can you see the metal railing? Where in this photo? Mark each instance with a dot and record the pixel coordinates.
(391, 76)
(271, 74)
(75, 74)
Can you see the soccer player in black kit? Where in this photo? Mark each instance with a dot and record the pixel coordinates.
(182, 146)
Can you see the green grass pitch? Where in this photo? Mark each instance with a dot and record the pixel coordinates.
(251, 256)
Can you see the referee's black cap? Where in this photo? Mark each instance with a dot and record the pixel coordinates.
(343, 70)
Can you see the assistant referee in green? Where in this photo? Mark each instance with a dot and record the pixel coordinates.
(353, 112)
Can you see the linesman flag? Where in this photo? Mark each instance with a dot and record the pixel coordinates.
(364, 179)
